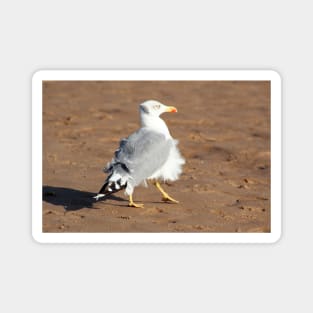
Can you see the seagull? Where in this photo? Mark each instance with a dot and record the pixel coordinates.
(149, 154)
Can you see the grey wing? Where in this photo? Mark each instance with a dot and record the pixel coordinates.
(142, 153)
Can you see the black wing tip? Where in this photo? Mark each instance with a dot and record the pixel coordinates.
(108, 188)
(103, 189)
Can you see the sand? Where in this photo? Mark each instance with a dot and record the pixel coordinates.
(223, 130)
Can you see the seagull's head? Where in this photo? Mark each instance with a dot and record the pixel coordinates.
(155, 108)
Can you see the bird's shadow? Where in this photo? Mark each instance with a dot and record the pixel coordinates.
(72, 199)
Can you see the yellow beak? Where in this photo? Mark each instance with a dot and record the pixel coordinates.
(171, 109)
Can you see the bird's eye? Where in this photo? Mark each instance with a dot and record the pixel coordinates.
(157, 106)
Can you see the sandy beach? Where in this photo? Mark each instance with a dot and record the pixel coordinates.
(223, 128)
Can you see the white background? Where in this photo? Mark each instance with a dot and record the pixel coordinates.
(161, 34)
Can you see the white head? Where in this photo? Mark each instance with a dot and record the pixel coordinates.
(154, 108)
(149, 115)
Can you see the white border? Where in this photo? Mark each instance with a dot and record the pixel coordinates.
(270, 75)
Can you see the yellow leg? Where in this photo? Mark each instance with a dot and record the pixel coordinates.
(165, 197)
(133, 204)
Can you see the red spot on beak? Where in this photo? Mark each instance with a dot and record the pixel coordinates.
(171, 109)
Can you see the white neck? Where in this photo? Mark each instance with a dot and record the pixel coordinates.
(155, 123)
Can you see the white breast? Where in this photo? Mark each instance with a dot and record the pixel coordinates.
(155, 123)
